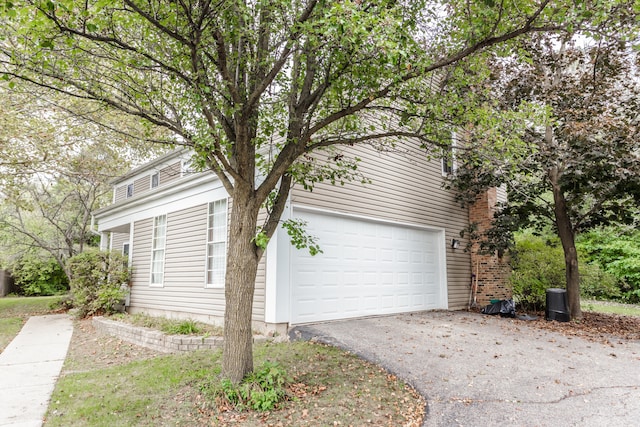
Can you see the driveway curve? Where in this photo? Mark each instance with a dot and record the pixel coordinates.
(476, 370)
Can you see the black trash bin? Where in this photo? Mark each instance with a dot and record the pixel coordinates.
(557, 308)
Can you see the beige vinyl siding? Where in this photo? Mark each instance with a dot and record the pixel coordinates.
(121, 193)
(185, 264)
(184, 273)
(142, 185)
(259, 293)
(405, 187)
(141, 257)
(117, 240)
(170, 173)
(183, 288)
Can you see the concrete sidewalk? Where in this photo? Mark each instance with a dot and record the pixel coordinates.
(29, 368)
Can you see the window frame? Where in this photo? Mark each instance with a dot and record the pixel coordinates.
(215, 277)
(130, 189)
(126, 251)
(184, 167)
(156, 248)
(448, 164)
(155, 179)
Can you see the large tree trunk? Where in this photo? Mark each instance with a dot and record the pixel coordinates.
(567, 238)
(242, 267)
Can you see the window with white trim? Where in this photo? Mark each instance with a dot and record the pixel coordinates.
(157, 250)
(448, 157)
(130, 190)
(155, 180)
(216, 243)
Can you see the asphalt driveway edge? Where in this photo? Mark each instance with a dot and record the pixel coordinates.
(309, 333)
(474, 369)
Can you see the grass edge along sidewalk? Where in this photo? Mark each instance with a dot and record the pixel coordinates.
(327, 387)
(14, 312)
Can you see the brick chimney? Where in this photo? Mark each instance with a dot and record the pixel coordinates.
(492, 271)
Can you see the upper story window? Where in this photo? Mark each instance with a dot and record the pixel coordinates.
(155, 180)
(130, 190)
(158, 243)
(447, 161)
(216, 243)
(185, 166)
(448, 157)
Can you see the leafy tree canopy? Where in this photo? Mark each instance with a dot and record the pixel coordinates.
(570, 147)
(55, 170)
(256, 87)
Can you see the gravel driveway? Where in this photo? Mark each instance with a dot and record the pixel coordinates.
(477, 370)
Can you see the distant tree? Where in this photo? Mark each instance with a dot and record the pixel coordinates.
(571, 155)
(55, 169)
(255, 87)
(52, 211)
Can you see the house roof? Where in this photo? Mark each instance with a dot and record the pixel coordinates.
(151, 164)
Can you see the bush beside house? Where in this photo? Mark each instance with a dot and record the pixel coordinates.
(96, 281)
(538, 264)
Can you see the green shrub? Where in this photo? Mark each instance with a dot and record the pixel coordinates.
(616, 251)
(35, 276)
(261, 390)
(595, 283)
(96, 281)
(538, 264)
(631, 297)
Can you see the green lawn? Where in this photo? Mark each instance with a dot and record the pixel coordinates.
(610, 307)
(26, 306)
(14, 311)
(328, 387)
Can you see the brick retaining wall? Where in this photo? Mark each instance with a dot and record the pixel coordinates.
(156, 340)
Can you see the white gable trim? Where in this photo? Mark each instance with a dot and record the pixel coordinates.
(188, 192)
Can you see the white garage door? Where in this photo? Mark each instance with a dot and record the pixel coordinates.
(366, 268)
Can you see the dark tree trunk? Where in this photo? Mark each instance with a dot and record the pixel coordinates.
(567, 238)
(242, 266)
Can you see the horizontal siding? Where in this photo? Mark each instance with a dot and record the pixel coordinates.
(259, 293)
(184, 280)
(170, 173)
(405, 186)
(142, 185)
(117, 240)
(140, 256)
(121, 193)
(501, 193)
(185, 252)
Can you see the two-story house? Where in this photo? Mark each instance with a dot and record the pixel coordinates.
(389, 246)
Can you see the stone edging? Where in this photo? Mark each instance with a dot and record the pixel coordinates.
(156, 340)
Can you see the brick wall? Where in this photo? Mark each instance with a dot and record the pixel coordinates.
(492, 271)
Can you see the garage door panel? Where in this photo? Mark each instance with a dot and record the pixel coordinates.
(366, 268)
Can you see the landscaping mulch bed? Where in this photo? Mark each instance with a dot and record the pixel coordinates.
(90, 350)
